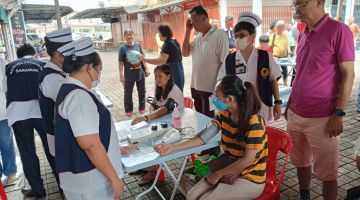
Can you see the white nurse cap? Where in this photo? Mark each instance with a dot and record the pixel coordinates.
(250, 17)
(84, 47)
(60, 36)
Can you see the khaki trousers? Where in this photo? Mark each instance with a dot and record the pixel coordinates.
(242, 189)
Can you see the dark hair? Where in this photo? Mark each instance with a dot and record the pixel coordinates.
(74, 63)
(199, 10)
(159, 92)
(247, 101)
(51, 47)
(272, 24)
(264, 39)
(245, 26)
(127, 31)
(25, 50)
(165, 31)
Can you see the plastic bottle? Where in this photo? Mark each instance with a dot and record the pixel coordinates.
(176, 118)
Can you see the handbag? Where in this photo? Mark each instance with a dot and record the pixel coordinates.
(221, 162)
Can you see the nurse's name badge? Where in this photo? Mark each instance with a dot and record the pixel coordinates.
(265, 72)
(240, 68)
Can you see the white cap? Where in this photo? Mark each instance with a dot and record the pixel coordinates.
(84, 47)
(67, 49)
(60, 36)
(250, 17)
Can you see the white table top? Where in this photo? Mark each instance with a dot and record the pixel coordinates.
(106, 101)
(146, 156)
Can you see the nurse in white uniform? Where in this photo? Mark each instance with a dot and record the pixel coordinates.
(58, 43)
(255, 66)
(87, 149)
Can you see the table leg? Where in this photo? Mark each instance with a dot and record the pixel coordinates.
(153, 186)
(176, 180)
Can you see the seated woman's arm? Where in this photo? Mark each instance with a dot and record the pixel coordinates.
(235, 167)
(154, 115)
(204, 137)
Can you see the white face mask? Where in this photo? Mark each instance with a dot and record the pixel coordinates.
(242, 43)
(95, 83)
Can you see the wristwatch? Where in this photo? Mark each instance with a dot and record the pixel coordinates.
(278, 102)
(146, 118)
(339, 113)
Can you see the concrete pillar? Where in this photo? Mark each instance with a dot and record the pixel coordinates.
(223, 12)
(257, 9)
(349, 11)
(58, 14)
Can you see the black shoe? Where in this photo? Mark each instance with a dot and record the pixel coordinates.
(30, 193)
(304, 194)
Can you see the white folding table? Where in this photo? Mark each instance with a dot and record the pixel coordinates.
(146, 156)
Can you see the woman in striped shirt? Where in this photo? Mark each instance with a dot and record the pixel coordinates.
(243, 139)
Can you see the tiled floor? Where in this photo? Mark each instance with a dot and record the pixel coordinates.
(111, 87)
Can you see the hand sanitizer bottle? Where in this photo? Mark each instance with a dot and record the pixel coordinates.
(176, 118)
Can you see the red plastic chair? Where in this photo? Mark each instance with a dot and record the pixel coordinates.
(188, 102)
(2, 192)
(278, 140)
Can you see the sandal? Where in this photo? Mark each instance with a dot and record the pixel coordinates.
(10, 180)
(148, 178)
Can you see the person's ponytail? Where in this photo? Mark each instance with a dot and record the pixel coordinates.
(249, 105)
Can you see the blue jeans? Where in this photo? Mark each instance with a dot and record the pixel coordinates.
(8, 165)
(357, 105)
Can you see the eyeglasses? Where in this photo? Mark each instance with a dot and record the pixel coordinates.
(297, 5)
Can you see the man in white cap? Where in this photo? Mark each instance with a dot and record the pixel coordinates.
(255, 66)
(58, 43)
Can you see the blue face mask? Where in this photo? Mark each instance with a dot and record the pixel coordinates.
(219, 104)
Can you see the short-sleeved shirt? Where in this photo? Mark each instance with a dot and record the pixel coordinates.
(172, 48)
(255, 138)
(231, 37)
(175, 94)
(251, 76)
(81, 111)
(208, 54)
(51, 84)
(131, 72)
(318, 75)
(281, 44)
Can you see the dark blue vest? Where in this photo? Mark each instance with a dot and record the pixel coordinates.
(263, 74)
(46, 103)
(69, 156)
(22, 80)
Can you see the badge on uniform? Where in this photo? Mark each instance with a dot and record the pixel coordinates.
(240, 68)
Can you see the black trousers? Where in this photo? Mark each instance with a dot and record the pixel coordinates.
(201, 102)
(24, 135)
(202, 105)
(128, 90)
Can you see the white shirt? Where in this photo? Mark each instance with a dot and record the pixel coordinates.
(2, 90)
(81, 111)
(175, 94)
(208, 53)
(251, 76)
(52, 83)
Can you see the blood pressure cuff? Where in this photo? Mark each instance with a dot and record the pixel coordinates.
(207, 134)
(170, 105)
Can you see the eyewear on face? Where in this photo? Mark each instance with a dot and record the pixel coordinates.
(298, 5)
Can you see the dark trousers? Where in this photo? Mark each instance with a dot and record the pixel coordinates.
(24, 135)
(128, 90)
(201, 102)
(284, 72)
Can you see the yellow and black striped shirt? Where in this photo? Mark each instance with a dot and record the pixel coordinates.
(255, 138)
